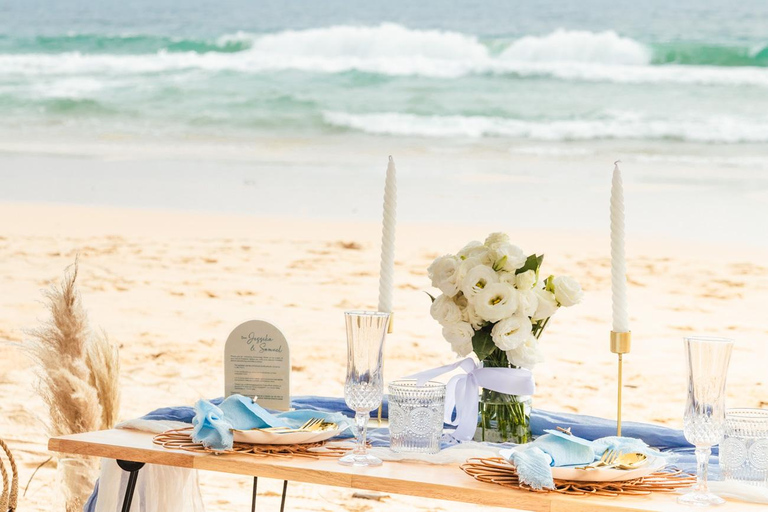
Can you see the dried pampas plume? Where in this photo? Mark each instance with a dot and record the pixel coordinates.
(77, 369)
(103, 361)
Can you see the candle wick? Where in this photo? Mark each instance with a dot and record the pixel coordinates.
(617, 162)
(390, 158)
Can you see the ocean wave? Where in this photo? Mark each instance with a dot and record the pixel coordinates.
(621, 125)
(578, 46)
(697, 54)
(393, 50)
(124, 44)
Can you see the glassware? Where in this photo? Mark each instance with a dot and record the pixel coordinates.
(503, 418)
(744, 450)
(704, 421)
(364, 387)
(416, 416)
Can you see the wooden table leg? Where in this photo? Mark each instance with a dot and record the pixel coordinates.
(133, 469)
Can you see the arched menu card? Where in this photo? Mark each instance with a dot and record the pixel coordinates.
(257, 363)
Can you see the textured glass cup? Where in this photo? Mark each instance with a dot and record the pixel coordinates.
(704, 420)
(364, 387)
(416, 416)
(744, 450)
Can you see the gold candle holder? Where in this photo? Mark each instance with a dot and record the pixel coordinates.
(621, 343)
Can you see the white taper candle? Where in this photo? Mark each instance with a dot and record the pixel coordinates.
(618, 261)
(387, 274)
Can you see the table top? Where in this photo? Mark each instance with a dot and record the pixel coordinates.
(445, 482)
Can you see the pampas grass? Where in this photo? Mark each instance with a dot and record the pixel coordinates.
(59, 350)
(103, 362)
(78, 373)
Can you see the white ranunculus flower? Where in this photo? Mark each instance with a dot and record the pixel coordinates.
(496, 239)
(507, 257)
(567, 291)
(511, 332)
(547, 304)
(477, 279)
(474, 249)
(459, 335)
(444, 274)
(528, 303)
(495, 301)
(445, 310)
(525, 280)
(527, 354)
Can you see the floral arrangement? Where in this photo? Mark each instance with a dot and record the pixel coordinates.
(495, 303)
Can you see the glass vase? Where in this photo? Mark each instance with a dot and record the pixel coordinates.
(503, 418)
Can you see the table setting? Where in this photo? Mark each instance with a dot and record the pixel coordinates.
(476, 413)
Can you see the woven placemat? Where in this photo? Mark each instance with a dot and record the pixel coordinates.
(497, 470)
(181, 439)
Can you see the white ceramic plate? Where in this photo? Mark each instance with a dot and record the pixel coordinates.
(262, 437)
(608, 474)
(602, 474)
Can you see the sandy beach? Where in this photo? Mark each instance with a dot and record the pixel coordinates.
(169, 287)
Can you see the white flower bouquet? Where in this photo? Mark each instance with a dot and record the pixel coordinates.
(495, 303)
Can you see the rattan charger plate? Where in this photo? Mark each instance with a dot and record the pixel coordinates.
(497, 470)
(181, 439)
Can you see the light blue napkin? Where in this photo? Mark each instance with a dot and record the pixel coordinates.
(244, 414)
(532, 461)
(556, 448)
(211, 427)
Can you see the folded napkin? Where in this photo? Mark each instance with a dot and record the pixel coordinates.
(213, 425)
(245, 414)
(532, 461)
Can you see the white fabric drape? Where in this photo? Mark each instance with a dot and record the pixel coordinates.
(158, 489)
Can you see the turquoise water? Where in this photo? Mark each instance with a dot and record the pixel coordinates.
(540, 71)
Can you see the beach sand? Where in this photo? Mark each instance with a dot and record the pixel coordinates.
(170, 286)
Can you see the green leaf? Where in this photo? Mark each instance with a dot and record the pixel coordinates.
(482, 343)
(532, 263)
(431, 297)
(549, 284)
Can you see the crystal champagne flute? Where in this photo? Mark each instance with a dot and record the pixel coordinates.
(704, 421)
(364, 388)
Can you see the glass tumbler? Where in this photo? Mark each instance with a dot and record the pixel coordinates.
(744, 450)
(416, 416)
(707, 362)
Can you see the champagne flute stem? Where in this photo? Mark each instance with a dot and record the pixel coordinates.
(702, 466)
(361, 419)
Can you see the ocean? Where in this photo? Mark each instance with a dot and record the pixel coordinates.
(507, 112)
(552, 70)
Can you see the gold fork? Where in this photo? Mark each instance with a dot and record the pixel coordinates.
(608, 459)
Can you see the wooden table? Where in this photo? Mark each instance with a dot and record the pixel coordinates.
(444, 482)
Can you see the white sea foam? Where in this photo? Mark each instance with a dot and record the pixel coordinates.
(578, 46)
(618, 126)
(393, 50)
